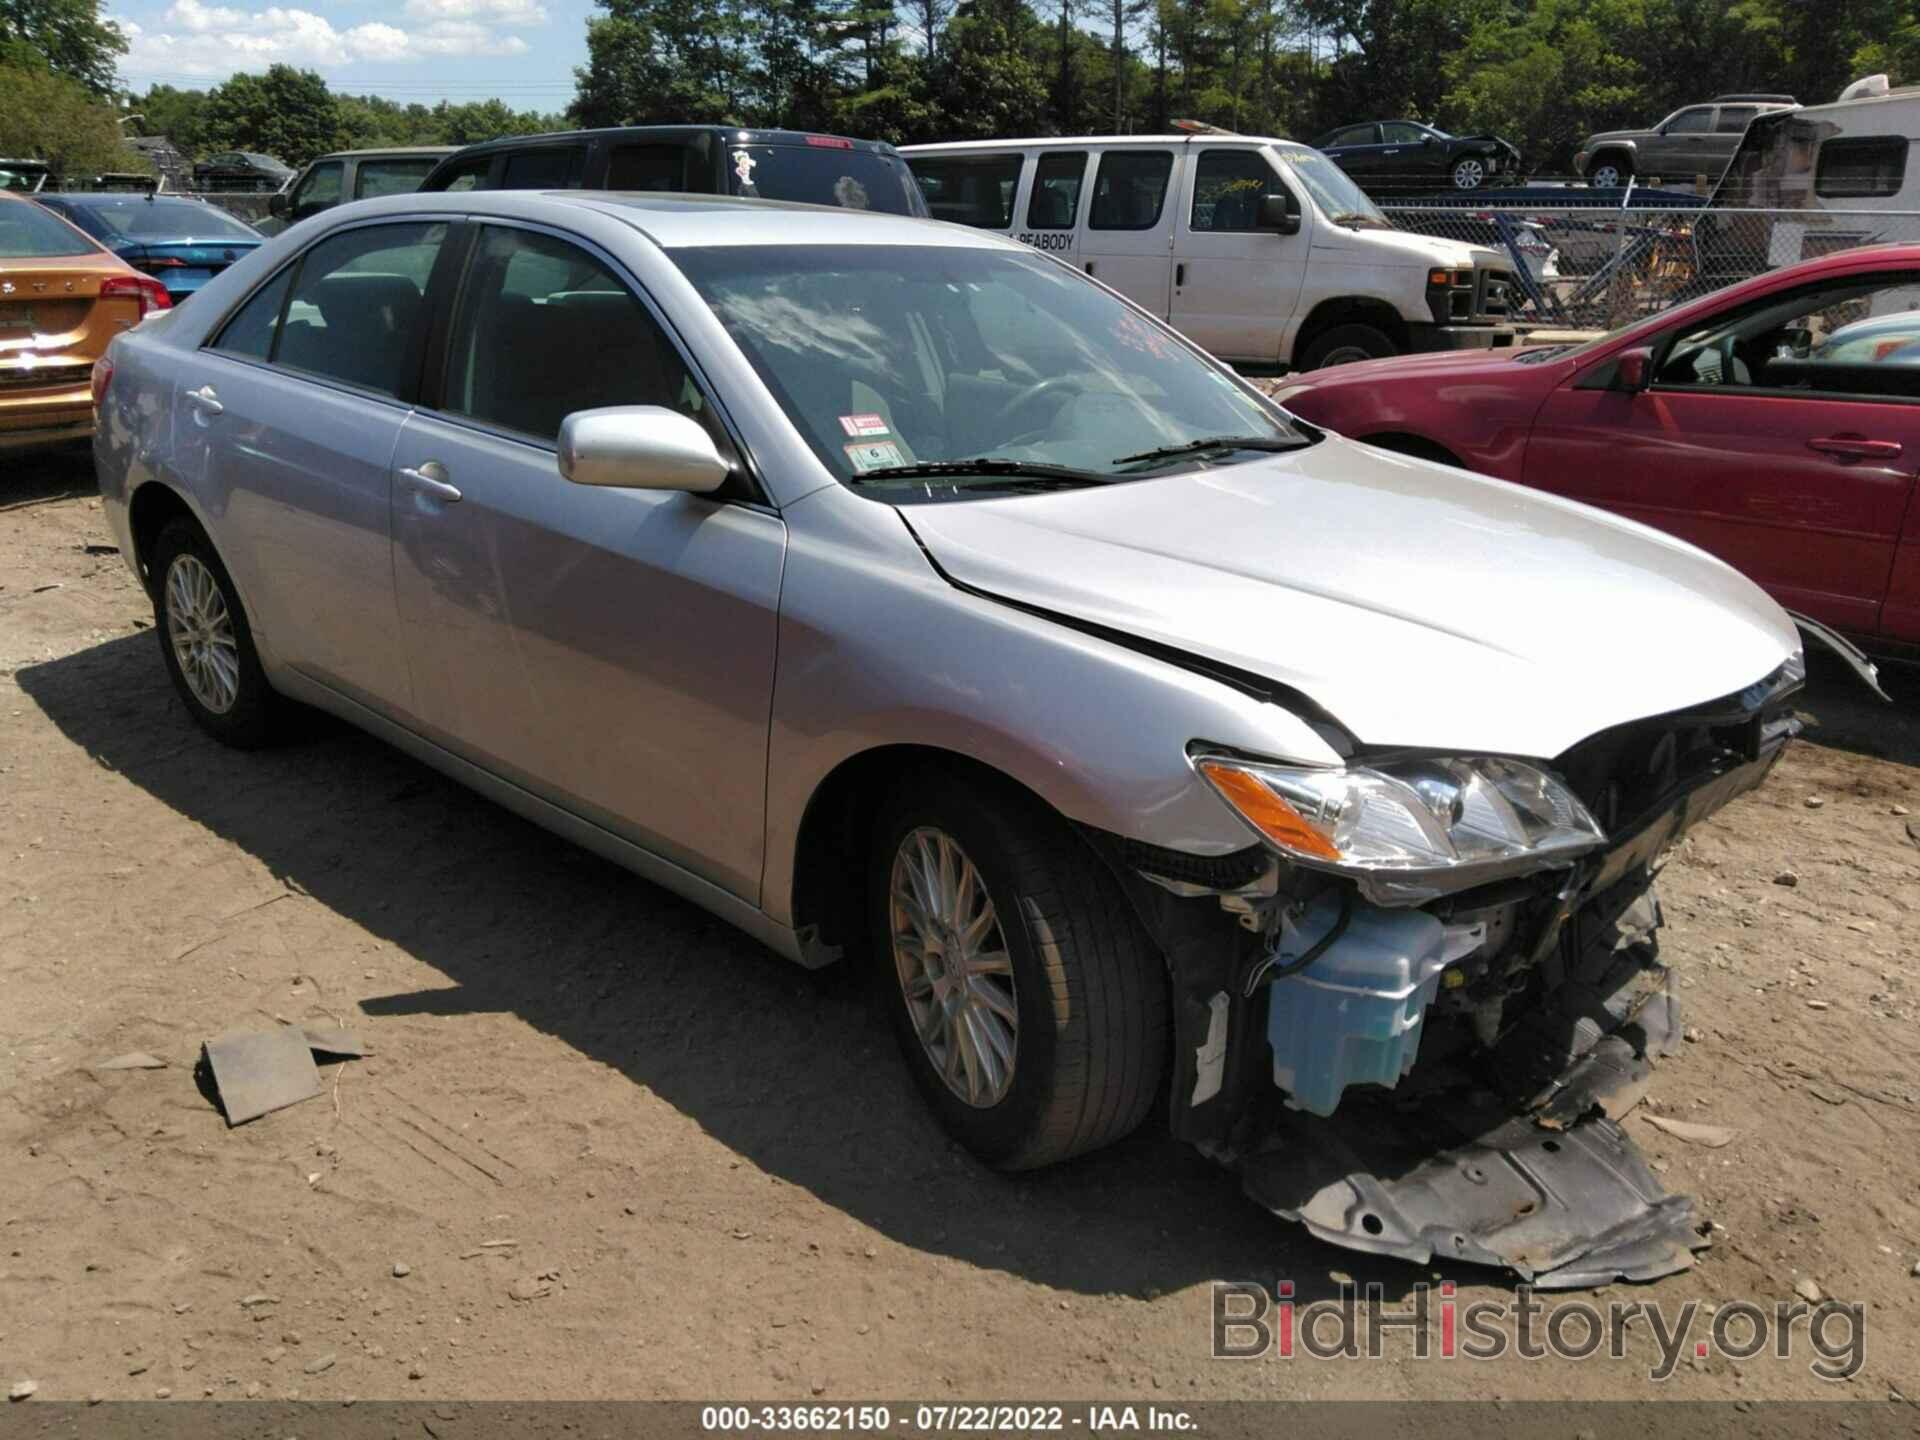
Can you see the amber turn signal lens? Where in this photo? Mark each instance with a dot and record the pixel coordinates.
(1269, 814)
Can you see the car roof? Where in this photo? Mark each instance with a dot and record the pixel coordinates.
(381, 151)
(1067, 142)
(733, 132)
(680, 221)
(92, 197)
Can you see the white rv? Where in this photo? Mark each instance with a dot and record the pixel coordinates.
(1850, 156)
(1261, 250)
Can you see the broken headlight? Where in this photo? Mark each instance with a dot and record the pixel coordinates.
(1415, 828)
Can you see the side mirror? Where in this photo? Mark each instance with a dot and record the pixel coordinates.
(1428, 140)
(1630, 370)
(1280, 213)
(640, 447)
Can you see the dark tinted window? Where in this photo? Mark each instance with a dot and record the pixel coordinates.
(1871, 165)
(319, 190)
(546, 329)
(1734, 118)
(29, 233)
(656, 167)
(1056, 190)
(1696, 121)
(391, 177)
(824, 171)
(1352, 135)
(469, 175)
(552, 167)
(358, 311)
(970, 189)
(252, 330)
(1401, 133)
(1227, 188)
(1130, 189)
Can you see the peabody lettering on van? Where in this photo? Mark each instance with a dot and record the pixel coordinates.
(1047, 239)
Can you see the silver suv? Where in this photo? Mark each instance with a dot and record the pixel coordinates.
(1693, 140)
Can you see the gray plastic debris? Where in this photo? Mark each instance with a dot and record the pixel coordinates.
(327, 1040)
(132, 1060)
(1711, 1136)
(258, 1072)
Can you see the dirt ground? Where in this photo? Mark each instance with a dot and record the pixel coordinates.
(621, 1152)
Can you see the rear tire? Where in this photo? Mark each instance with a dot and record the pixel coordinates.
(1038, 956)
(206, 643)
(1345, 343)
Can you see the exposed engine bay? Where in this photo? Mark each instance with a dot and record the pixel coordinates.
(1425, 1074)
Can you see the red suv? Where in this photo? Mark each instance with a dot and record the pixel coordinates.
(1775, 423)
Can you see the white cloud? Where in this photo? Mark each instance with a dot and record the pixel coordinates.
(194, 38)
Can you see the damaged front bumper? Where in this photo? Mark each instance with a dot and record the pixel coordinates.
(1447, 1079)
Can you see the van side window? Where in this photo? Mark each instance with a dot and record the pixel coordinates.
(651, 167)
(970, 189)
(555, 167)
(1130, 189)
(1227, 187)
(1869, 165)
(1056, 190)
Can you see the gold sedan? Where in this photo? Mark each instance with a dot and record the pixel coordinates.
(63, 297)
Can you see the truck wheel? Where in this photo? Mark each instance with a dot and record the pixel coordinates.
(1610, 171)
(1468, 172)
(1028, 1002)
(1344, 343)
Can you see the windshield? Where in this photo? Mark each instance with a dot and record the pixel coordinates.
(137, 219)
(29, 233)
(825, 174)
(1332, 189)
(891, 356)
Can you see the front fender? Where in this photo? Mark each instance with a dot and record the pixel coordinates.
(878, 650)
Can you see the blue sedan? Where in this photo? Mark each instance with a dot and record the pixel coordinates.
(183, 243)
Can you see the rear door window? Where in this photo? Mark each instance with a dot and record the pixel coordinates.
(256, 325)
(1130, 189)
(357, 312)
(1733, 118)
(550, 167)
(975, 190)
(656, 167)
(1055, 203)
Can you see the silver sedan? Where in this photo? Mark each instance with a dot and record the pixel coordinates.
(902, 595)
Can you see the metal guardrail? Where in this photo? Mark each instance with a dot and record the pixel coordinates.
(1589, 267)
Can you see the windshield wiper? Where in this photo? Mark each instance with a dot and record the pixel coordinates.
(1214, 442)
(1022, 469)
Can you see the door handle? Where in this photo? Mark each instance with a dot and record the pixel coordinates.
(1089, 267)
(206, 401)
(1180, 273)
(430, 479)
(1856, 447)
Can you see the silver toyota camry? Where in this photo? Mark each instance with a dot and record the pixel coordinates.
(908, 599)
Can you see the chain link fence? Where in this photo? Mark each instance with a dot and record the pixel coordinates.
(1595, 267)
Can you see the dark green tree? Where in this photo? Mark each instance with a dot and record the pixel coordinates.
(287, 113)
(68, 37)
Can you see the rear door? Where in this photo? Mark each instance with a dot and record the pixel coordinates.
(1234, 284)
(1127, 241)
(289, 417)
(609, 650)
(1797, 471)
(1055, 201)
(1356, 149)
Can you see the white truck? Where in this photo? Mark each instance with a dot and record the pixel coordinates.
(1261, 250)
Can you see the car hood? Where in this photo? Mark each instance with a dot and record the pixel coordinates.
(1437, 365)
(1417, 604)
(1594, 141)
(1400, 247)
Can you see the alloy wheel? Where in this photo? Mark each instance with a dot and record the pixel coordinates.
(1604, 177)
(955, 971)
(1468, 174)
(200, 629)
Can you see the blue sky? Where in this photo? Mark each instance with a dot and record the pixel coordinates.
(522, 51)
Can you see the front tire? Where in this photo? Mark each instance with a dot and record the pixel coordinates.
(1345, 343)
(1609, 172)
(1029, 1004)
(1469, 173)
(206, 643)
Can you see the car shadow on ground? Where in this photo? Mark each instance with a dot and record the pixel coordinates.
(795, 1072)
(54, 475)
(1840, 712)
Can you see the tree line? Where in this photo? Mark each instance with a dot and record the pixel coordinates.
(1542, 73)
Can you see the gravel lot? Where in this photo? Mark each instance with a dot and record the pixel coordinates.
(605, 1147)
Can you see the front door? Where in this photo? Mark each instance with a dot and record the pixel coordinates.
(1128, 239)
(1792, 461)
(291, 415)
(610, 650)
(1234, 284)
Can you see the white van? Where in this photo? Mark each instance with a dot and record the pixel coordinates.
(1268, 254)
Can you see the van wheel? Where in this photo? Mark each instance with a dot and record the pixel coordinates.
(1027, 1000)
(1344, 343)
(206, 643)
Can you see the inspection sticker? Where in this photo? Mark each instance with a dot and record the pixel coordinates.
(874, 455)
(864, 426)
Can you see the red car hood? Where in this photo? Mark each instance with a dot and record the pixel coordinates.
(1442, 365)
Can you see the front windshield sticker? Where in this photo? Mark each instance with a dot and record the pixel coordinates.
(874, 455)
(865, 426)
(743, 164)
